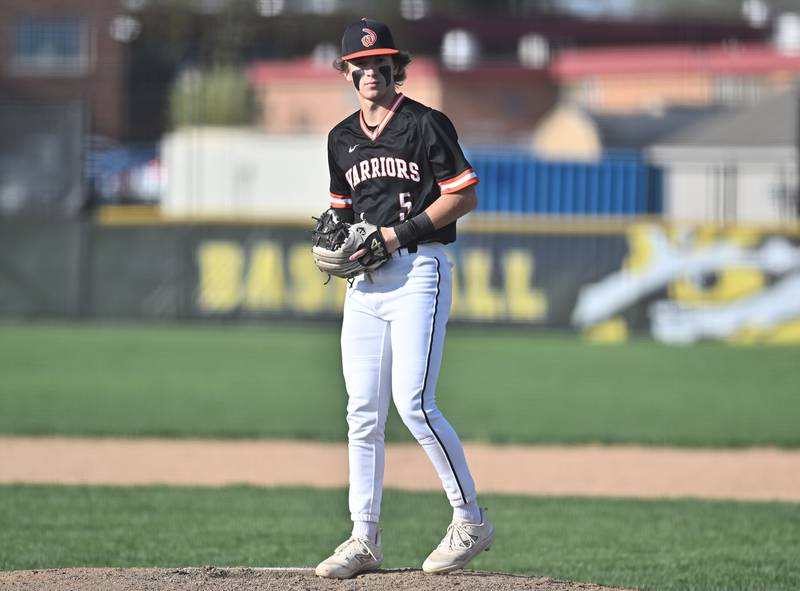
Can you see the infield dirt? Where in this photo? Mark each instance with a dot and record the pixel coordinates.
(234, 579)
(616, 471)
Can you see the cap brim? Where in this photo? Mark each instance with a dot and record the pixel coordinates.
(367, 52)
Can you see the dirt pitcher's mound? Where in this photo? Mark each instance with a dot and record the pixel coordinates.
(288, 579)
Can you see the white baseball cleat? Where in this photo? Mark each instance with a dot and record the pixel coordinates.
(354, 556)
(462, 542)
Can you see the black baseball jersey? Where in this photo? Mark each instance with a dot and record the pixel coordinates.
(396, 170)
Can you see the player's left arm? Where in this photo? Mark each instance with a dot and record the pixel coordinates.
(445, 210)
(453, 174)
(451, 206)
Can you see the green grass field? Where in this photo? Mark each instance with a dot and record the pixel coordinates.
(284, 380)
(665, 545)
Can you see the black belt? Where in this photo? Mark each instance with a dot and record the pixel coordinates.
(412, 247)
(407, 249)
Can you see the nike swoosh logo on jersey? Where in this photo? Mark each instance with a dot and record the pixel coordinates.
(351, 148)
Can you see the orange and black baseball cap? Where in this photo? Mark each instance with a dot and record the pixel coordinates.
(367, 37)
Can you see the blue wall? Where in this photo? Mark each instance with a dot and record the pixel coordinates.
(620, 183)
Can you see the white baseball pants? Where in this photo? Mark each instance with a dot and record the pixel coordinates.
(392, 340)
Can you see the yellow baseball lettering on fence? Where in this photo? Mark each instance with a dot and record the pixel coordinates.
(265, 288)
(480, 300)
(730, 283)
(455, 294)
(277, 279)
(309, 293)
(338, 289)
(523, 301)
(221, 266)
(640, 249)
(786, 333)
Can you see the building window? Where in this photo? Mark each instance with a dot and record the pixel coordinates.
(50, 46)
(724, 193)
(738, 90)
(785, 193)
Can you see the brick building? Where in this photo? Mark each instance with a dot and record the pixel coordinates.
(55, 51)
(634, 79)
(494, 103)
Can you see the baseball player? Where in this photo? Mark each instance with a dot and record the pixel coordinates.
(397, 164)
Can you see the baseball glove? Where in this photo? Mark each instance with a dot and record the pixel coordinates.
(334, 241)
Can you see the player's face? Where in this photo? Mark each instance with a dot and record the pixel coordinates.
(372, 76)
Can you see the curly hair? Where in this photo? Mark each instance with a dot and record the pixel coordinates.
(400, 60)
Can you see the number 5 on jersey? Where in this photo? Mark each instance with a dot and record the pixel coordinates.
(405, 206)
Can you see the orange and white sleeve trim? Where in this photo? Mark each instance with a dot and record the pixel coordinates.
(462, 181)
(341, 201)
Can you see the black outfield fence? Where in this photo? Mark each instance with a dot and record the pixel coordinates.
(680, 284)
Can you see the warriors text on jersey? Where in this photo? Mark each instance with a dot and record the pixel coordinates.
(396, 170)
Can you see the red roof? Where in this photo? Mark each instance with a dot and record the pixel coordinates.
(302, 68)
(712, 59)
(306, 68)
